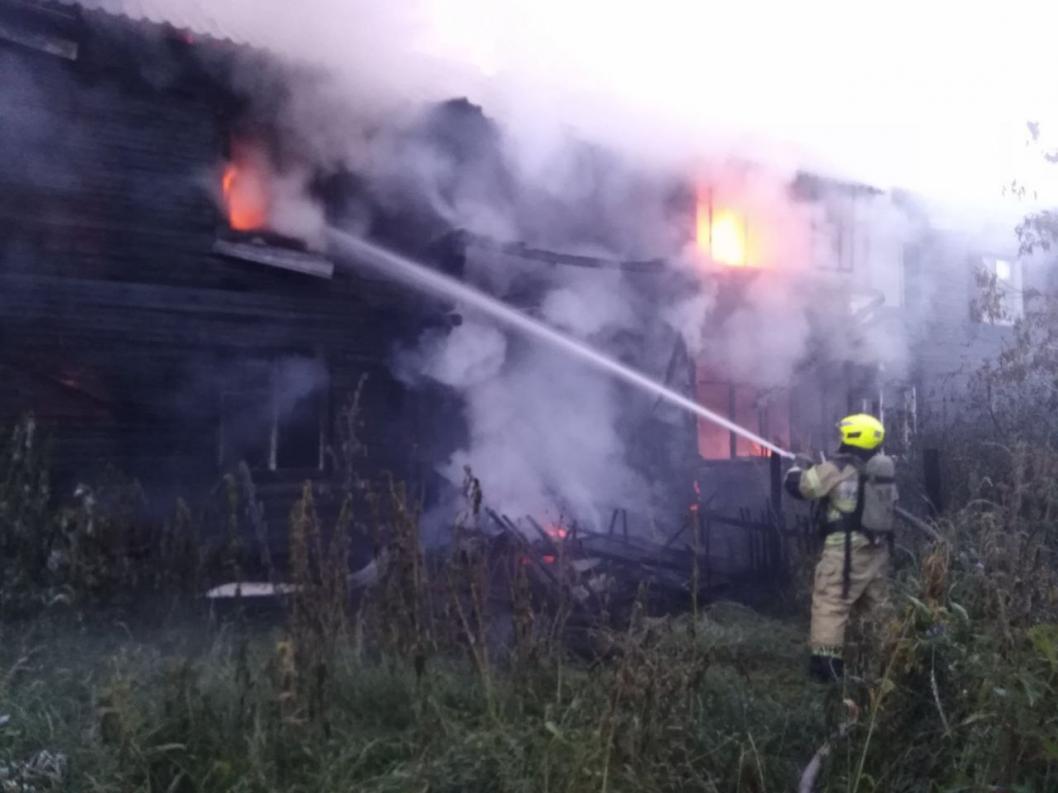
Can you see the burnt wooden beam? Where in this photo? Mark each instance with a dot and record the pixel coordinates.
(273, 256)
(523, 251)
(547, 539)
(775, 476)
(51, 291)
(114, 313)
(741, 522)
(634, 553)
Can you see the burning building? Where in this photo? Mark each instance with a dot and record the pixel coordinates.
(170, 305)
(155, 316)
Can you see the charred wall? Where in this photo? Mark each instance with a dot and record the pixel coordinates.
(124, 333)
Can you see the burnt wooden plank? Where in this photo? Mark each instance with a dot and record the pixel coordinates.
(48, 292)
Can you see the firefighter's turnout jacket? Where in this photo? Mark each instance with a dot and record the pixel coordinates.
(857, 497)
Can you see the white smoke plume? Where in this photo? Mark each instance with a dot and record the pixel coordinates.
(662, 89)
(544, 440)
(893, 99)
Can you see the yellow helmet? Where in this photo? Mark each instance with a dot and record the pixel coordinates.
(861, 431)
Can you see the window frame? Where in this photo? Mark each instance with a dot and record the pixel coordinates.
(262, 246)
(764, 400)
(273, 428)
(1011, 290)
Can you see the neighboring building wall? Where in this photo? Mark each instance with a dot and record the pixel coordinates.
(949, 343)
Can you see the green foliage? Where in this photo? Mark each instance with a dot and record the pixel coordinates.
(409, 688)
(406, 692)
(1016, 392)
(26, 520)
(674, 714)
(103, 544)
(967, 693)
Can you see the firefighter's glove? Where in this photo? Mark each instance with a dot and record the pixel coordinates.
(792, 483)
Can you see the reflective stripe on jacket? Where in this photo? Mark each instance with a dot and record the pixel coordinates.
(838, 483)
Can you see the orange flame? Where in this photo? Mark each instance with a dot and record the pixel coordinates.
(245, 197)
(721, 234)
(728, 240)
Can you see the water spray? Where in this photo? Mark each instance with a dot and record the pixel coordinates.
(421, 277)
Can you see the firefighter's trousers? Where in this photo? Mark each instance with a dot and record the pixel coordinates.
(868, 588)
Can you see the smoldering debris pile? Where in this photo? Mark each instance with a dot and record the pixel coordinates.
(597, 575)
(575, 580)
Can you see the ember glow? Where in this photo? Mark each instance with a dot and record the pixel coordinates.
(547, 558)
(245, 196)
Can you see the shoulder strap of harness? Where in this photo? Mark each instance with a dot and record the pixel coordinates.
(853, 522)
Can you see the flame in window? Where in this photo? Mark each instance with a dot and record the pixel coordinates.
(245, 188)
(728, 239)
(721, 233)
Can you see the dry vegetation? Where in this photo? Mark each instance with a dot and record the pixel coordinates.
(425, 685)
(407, 690)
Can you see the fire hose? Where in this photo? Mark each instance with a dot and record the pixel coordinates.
(360, 252)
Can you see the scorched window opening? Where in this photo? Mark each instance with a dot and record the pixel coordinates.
(248, 185)
(274, 416)
(1000, 297)
(248, 178)
(765, 412)
(722, 232)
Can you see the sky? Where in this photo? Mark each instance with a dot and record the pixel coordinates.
(932, 96)
(926, 95)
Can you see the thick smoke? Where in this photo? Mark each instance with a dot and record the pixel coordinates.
(544, 434)
(892, 99)
(600, 109)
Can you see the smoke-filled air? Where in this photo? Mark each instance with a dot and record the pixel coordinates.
(518, 396)
(589, 114)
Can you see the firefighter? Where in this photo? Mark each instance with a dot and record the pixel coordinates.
(856, 496)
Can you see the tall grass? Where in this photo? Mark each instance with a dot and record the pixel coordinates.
(454, 673)
(674, 713)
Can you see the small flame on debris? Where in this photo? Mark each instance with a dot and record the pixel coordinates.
(697, 496)
(547, 558)
(557, 532)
